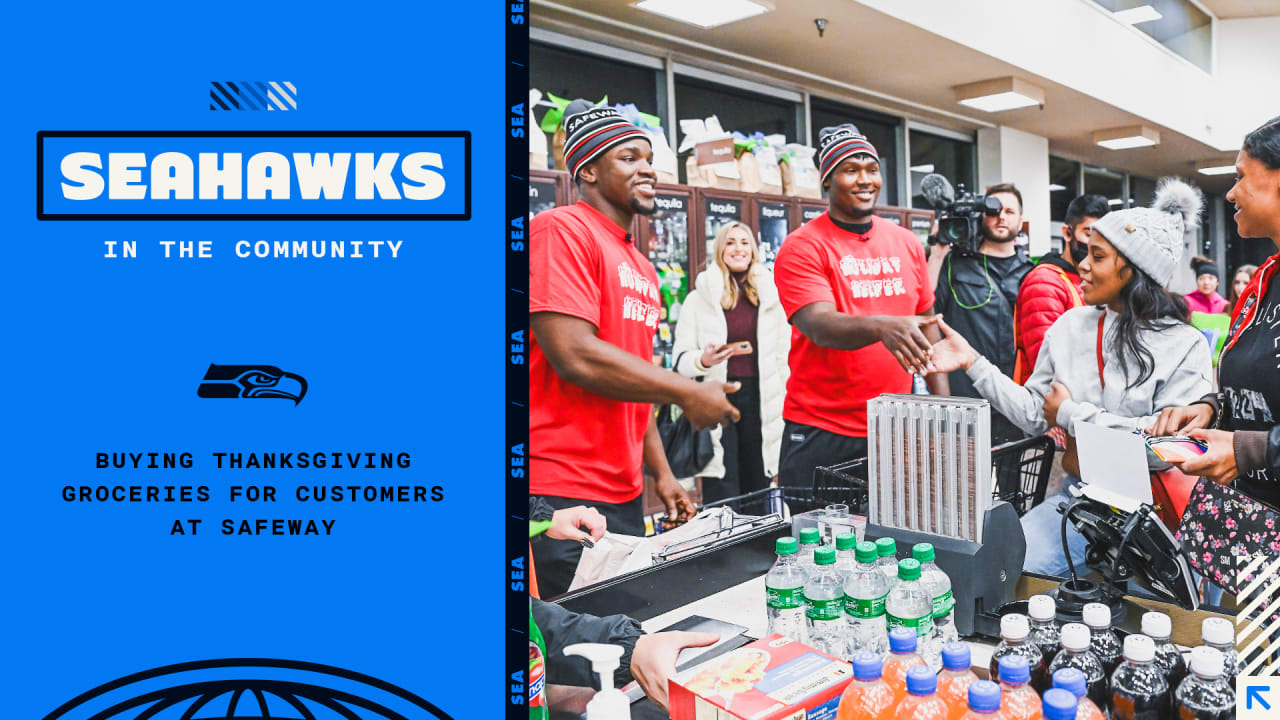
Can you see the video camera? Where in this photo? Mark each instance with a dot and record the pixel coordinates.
(959, 220)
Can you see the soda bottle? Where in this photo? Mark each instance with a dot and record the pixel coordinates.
(864, 598)
(1205, 694)
(824, 605)
(1219, 634)
(955, 678)
(868, 697)
(1019, 701)
(784, 592)
(902, 657)
(984, 702)
(911, 605)
(809, 542)
(846, 555)
(1138, 689)
(939, 586)
(1104, 642)
(1076, 654)
(1044, 627)
(1074, 681)
(1015, 631)
(922, 701)
(1158, 627)
(1059, 705)
(887, 549)
(538, 708)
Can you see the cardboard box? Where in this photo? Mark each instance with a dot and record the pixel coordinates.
(770, 679)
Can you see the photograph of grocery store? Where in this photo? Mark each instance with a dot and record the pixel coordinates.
(902, 359)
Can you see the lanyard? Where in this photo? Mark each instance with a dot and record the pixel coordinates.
(1101, 378)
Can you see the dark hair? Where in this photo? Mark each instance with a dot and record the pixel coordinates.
(1147, 306)
(1263, 144)
(1094, 206)
(1007, 188)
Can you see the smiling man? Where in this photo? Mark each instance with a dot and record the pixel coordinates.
(593, 309)
(856, 291)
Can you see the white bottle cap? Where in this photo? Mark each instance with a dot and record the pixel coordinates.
(1156, 625)
(1097, 615)
(1075, 636)
(1014, 626)
(1207, 661)
(1218, 631)
(1139, 648)
(1041, 608)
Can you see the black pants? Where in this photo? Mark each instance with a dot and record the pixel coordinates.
(805, 448)
(743, 447)
(557, 560)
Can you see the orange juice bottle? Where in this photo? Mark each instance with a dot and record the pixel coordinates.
(922, 701)
(868, 697)
(1018, 700)
(902, 657)
(955, 678)
(984, 701)
(1073, 681)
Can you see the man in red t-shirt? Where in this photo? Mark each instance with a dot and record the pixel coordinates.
(594, 305)
(856, 289)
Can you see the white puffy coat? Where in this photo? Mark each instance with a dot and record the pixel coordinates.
(702, 323)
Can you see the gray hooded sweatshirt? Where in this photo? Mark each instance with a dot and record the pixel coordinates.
(1069, 356)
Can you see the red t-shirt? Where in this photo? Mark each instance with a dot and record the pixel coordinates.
(880, 273)
(583, 445)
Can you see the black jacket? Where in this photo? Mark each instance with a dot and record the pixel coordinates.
(561, 628)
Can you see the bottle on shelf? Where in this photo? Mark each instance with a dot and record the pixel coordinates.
(1015, 634)
(984, 702)
(809, 542)
(1138, 688)
(1058, 705)
(824, 605)
(910, 605)
(939, 585)
(1020, 701)
(1104, 643)
(868, 697)
(846, 555)
(1204, 694)
(902, 657)
(865, 593)
(784, 592)
(887, 549)
(1073, 681)
(1158, 627)
(1076, 653)
(922, 701)
(956, 677)
(1220, 634)
(1043, 612)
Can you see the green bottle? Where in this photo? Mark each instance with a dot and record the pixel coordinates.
(538, 709)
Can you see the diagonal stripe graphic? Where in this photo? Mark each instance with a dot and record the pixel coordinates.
(244, 97)
(250, 92)
(288, 98)
(214, 96)
(1259, 602)
(231, 98)
(255, 95)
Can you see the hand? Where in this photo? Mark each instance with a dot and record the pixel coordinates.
(904, 337)
(1218, 464)
(1181, 420)
(653, 661)
(714, 354)
(1058, 394)
(953, 352)
(680, 508)
(707, 404)
(566, 524)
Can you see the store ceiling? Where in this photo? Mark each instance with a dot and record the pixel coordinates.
(1231, 9)
(918, 84)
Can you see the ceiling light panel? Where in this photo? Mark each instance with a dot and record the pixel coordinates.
(1140, 14)
(999, 94)
(1124, 138)
(706, 13)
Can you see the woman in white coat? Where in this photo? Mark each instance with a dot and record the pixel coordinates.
(733, 329)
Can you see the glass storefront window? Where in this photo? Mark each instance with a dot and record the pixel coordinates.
(1142, 191)
(1064, 181)
(952, 159)
(738, 110)
(881, 130)
(1176, 24)
(1107, 183)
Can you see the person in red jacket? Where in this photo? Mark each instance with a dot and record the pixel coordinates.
(1053, 285)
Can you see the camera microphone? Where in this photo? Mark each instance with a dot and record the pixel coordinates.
(937, 191)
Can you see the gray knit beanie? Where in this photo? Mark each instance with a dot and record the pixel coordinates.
(1151, 238)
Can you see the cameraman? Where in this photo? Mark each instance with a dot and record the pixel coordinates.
(977, 291)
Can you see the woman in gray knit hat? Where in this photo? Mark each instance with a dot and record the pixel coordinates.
(1117, 361)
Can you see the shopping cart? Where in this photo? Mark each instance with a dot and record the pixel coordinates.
(1022, 470)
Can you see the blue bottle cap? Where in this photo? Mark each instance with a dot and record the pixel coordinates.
(922, 681)
(956, 656)
(1071, 680)
(1058, 704)
(902, 640)
(984, 696)
(1014, 669)
(867, 666)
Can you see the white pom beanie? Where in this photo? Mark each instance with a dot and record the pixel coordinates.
(1151, 238)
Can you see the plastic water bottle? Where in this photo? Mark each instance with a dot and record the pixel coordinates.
(1104, 643)
(809, 542)
(1074, 682)
(922, 701)
(902, 657)
(1044, 627)
(887, 549)
(1015, 631)
(984, 702)
(1158, 627)
(868, 697)
(784, 592)
(1076, 654)
(939, 585)
(846, 555)
(824, 605)
(1205, 694)
(955, 678)
(910, 605)
(1019, 701)
(1138, 689)
(1059, 705)
(1220, 634)
(864, 604)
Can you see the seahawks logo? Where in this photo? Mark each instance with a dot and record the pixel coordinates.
(252, 381)
(248, 689)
